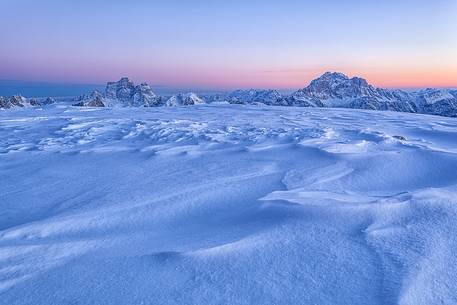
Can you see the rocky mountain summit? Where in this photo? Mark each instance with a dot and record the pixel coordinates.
(336, 90)
(124, 93)
(13, 101)
(128, 94)
(143, 96)
(95, 99)
(184, 100)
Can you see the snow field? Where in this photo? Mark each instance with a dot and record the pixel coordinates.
(227, 204)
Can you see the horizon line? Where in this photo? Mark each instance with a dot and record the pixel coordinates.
(197, 87)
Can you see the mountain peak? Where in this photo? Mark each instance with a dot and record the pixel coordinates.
(338, 78)
(333, 75)
(329, 81)
(338, 86)
(124, 80)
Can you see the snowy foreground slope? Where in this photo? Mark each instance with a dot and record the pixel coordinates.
(227, 204)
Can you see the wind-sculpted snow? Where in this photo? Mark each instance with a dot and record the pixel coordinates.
(227, 204)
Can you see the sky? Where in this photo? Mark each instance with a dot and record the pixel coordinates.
(229, 44)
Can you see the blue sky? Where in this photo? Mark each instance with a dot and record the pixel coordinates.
(229, 44)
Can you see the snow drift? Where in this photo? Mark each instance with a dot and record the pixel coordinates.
(227, 204)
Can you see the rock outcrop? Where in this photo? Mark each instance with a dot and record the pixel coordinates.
(252, 96)
(41, 102)
(143, 96)
(125, 93)
(95, 99)
(186, 99)
(13, 101)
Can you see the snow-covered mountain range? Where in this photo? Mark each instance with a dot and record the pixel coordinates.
(336, 90)
(20, 101)
(331, 90)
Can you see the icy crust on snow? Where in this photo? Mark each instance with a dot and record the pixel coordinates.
(227, 204)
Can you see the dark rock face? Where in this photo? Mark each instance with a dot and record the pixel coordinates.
(235, 101)
(17, 101)
(251, 96)
(143, 96)
(395, 100)
(125, 92)
(301, 99)
(13, 101)
(122, 89)
(97, 102)
(36, 102)
(3, 103)
(48, 101)
(187, 99)
(216, 98)
(95, 99)
(435, 101)
(90, 96)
